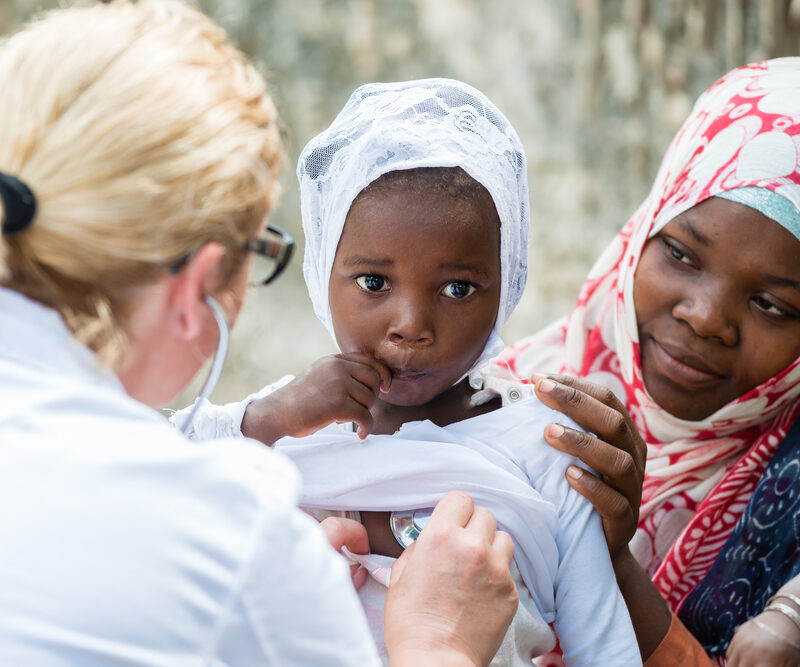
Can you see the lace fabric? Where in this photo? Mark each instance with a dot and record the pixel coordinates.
(394, 126)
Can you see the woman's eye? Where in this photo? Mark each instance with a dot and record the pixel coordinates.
(458, 289)
(372, 283)
(773, 309)
(676, 253)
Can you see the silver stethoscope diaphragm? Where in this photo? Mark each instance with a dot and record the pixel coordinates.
(406, 525)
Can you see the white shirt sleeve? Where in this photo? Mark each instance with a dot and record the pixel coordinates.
(212, 422)
(296, 605)
(592, 620)
(293, 570)
(125, 544)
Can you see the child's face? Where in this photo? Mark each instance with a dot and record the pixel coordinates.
(717, 297)
(416, 284)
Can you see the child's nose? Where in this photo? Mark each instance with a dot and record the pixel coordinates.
(710, 310)
(411, 325)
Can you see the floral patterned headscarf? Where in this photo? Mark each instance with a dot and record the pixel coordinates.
(744, 132)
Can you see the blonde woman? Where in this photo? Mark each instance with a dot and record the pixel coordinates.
(138, 157)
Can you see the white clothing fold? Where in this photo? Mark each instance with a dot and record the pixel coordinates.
(501, 459)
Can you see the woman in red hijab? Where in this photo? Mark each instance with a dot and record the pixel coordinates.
(691, 317)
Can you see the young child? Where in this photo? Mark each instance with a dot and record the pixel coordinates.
(415, 210)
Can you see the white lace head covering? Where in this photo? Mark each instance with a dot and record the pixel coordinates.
(394, 126)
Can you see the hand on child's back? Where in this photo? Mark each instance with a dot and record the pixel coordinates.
(338, 388)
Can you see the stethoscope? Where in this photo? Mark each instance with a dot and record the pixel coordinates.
(406, 525)
(216, 366)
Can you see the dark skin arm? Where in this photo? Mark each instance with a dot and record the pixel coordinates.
(617, 452)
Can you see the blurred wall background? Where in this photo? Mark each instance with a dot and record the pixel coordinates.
(595, 89)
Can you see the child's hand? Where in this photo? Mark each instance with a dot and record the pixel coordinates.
(753, 645)
(339, 388)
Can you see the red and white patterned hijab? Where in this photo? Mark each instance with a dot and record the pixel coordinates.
(744, 131)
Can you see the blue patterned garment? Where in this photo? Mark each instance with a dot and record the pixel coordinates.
(760, 556)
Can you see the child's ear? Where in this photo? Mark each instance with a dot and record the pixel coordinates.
(196, 279)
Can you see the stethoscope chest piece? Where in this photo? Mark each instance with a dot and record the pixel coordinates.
(406, 525)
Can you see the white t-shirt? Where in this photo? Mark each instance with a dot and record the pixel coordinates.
(503, 461)
(124, 543)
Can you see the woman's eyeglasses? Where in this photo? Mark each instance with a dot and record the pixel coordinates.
(271, 254)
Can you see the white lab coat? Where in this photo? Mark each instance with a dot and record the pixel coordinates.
(122, 543)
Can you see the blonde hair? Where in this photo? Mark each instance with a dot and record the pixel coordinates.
(143, 134)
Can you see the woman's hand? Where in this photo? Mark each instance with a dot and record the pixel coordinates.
(451, 597)
(617, 451)
(337, 388)
(343, 532)
(755, 646)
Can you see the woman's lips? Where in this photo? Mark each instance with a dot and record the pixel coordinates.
(683, 367)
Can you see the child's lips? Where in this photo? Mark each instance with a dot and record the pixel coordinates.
(403, 367)
(406, 375)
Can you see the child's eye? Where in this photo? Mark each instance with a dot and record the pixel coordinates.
(372, 282)
(773, 309)
(676, 253)
(458, 289)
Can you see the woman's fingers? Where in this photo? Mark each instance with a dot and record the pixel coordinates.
(593, 407)
(755, 643)
(452, 592)
(483, 523)
(617, 449)
(351, 534)
(343, 532)
(608, 460)
(612, 505)
(455, 508)
(504, 546)
(611, 445)
(619, 515)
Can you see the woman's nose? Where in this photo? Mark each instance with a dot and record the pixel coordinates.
(411, 324)
(710, 311)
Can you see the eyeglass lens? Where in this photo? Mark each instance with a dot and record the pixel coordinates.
(271, 254)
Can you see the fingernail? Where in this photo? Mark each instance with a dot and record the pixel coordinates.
(555, 430)
(574, 472)
(360, 577)
(546, 385)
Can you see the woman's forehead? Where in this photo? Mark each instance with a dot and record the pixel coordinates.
(751, 240)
